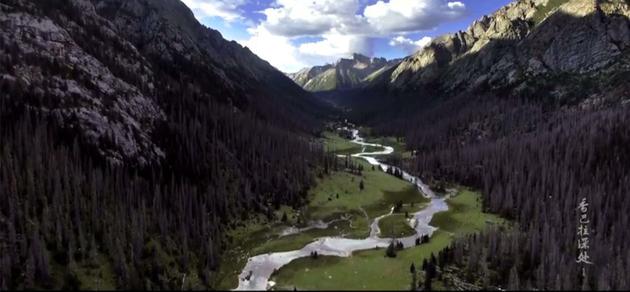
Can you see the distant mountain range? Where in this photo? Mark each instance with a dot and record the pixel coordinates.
(134, 140)
(516, 48)
(344, 74)
(558, 51)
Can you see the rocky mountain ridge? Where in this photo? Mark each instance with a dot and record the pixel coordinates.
(49, 61)
(343, 74)
(99, 68)
(521, 41)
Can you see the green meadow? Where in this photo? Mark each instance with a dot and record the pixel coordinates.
(372, 270)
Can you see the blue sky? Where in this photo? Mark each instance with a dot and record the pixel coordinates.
(292, 34)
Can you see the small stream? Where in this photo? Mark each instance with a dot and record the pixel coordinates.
(258, 270)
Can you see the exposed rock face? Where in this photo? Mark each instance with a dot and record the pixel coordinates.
(344, 74)
(95, 65)
(80, 91)
(523, 39)
(305, 75)
(167, 31)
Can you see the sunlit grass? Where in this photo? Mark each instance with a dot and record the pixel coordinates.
(372, 270)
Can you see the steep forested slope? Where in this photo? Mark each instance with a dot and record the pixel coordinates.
(132, 137)
(536, 117)
(534, 166)
(564, 49)
(539, 180)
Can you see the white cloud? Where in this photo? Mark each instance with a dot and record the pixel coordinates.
(335, 28)
(456, 5)
(316, 17)
(275, 49)
(281, 52)
(408, 45)
(403, 16)
(336, 45)
(228, 10)
(309, 17)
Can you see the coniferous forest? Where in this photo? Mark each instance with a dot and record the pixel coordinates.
(64, 204)
(139, 149)
(534, 163)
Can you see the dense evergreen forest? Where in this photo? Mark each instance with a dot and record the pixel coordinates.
(61, 206)
(534, 163)
(67, 212)
(219, 135)
(58, 202)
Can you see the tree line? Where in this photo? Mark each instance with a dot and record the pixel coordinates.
(533, 164)
(66, 215)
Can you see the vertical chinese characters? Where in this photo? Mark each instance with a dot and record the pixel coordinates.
(583, 233)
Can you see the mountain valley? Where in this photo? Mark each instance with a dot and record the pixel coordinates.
(140, 149)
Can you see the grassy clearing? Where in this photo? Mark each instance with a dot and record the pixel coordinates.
(364, 270)
(399, 145)
(342, 146)
(395, 226)
(410, 198)
(297, 241)
(380, 192)
(335, 196)
(372, 270)
(464, 215)
(337, 144)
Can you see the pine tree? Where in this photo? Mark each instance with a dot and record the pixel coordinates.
(412, 270)
(428, 284)
(513, 281)
(391, 250)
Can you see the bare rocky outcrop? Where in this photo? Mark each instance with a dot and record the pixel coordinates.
(305, 75)
(343, 74)
(61, 78)
(524, 39)
(105, 69)
(166, 31)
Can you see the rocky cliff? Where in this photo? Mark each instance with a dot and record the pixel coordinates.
(523, 40)
(344, 74)
(167, 31)
(101, 69)
(66, 69)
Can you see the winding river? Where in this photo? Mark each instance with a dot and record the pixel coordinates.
(258, 270)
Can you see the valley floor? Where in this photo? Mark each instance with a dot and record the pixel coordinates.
(337, 206)
(372, 270)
